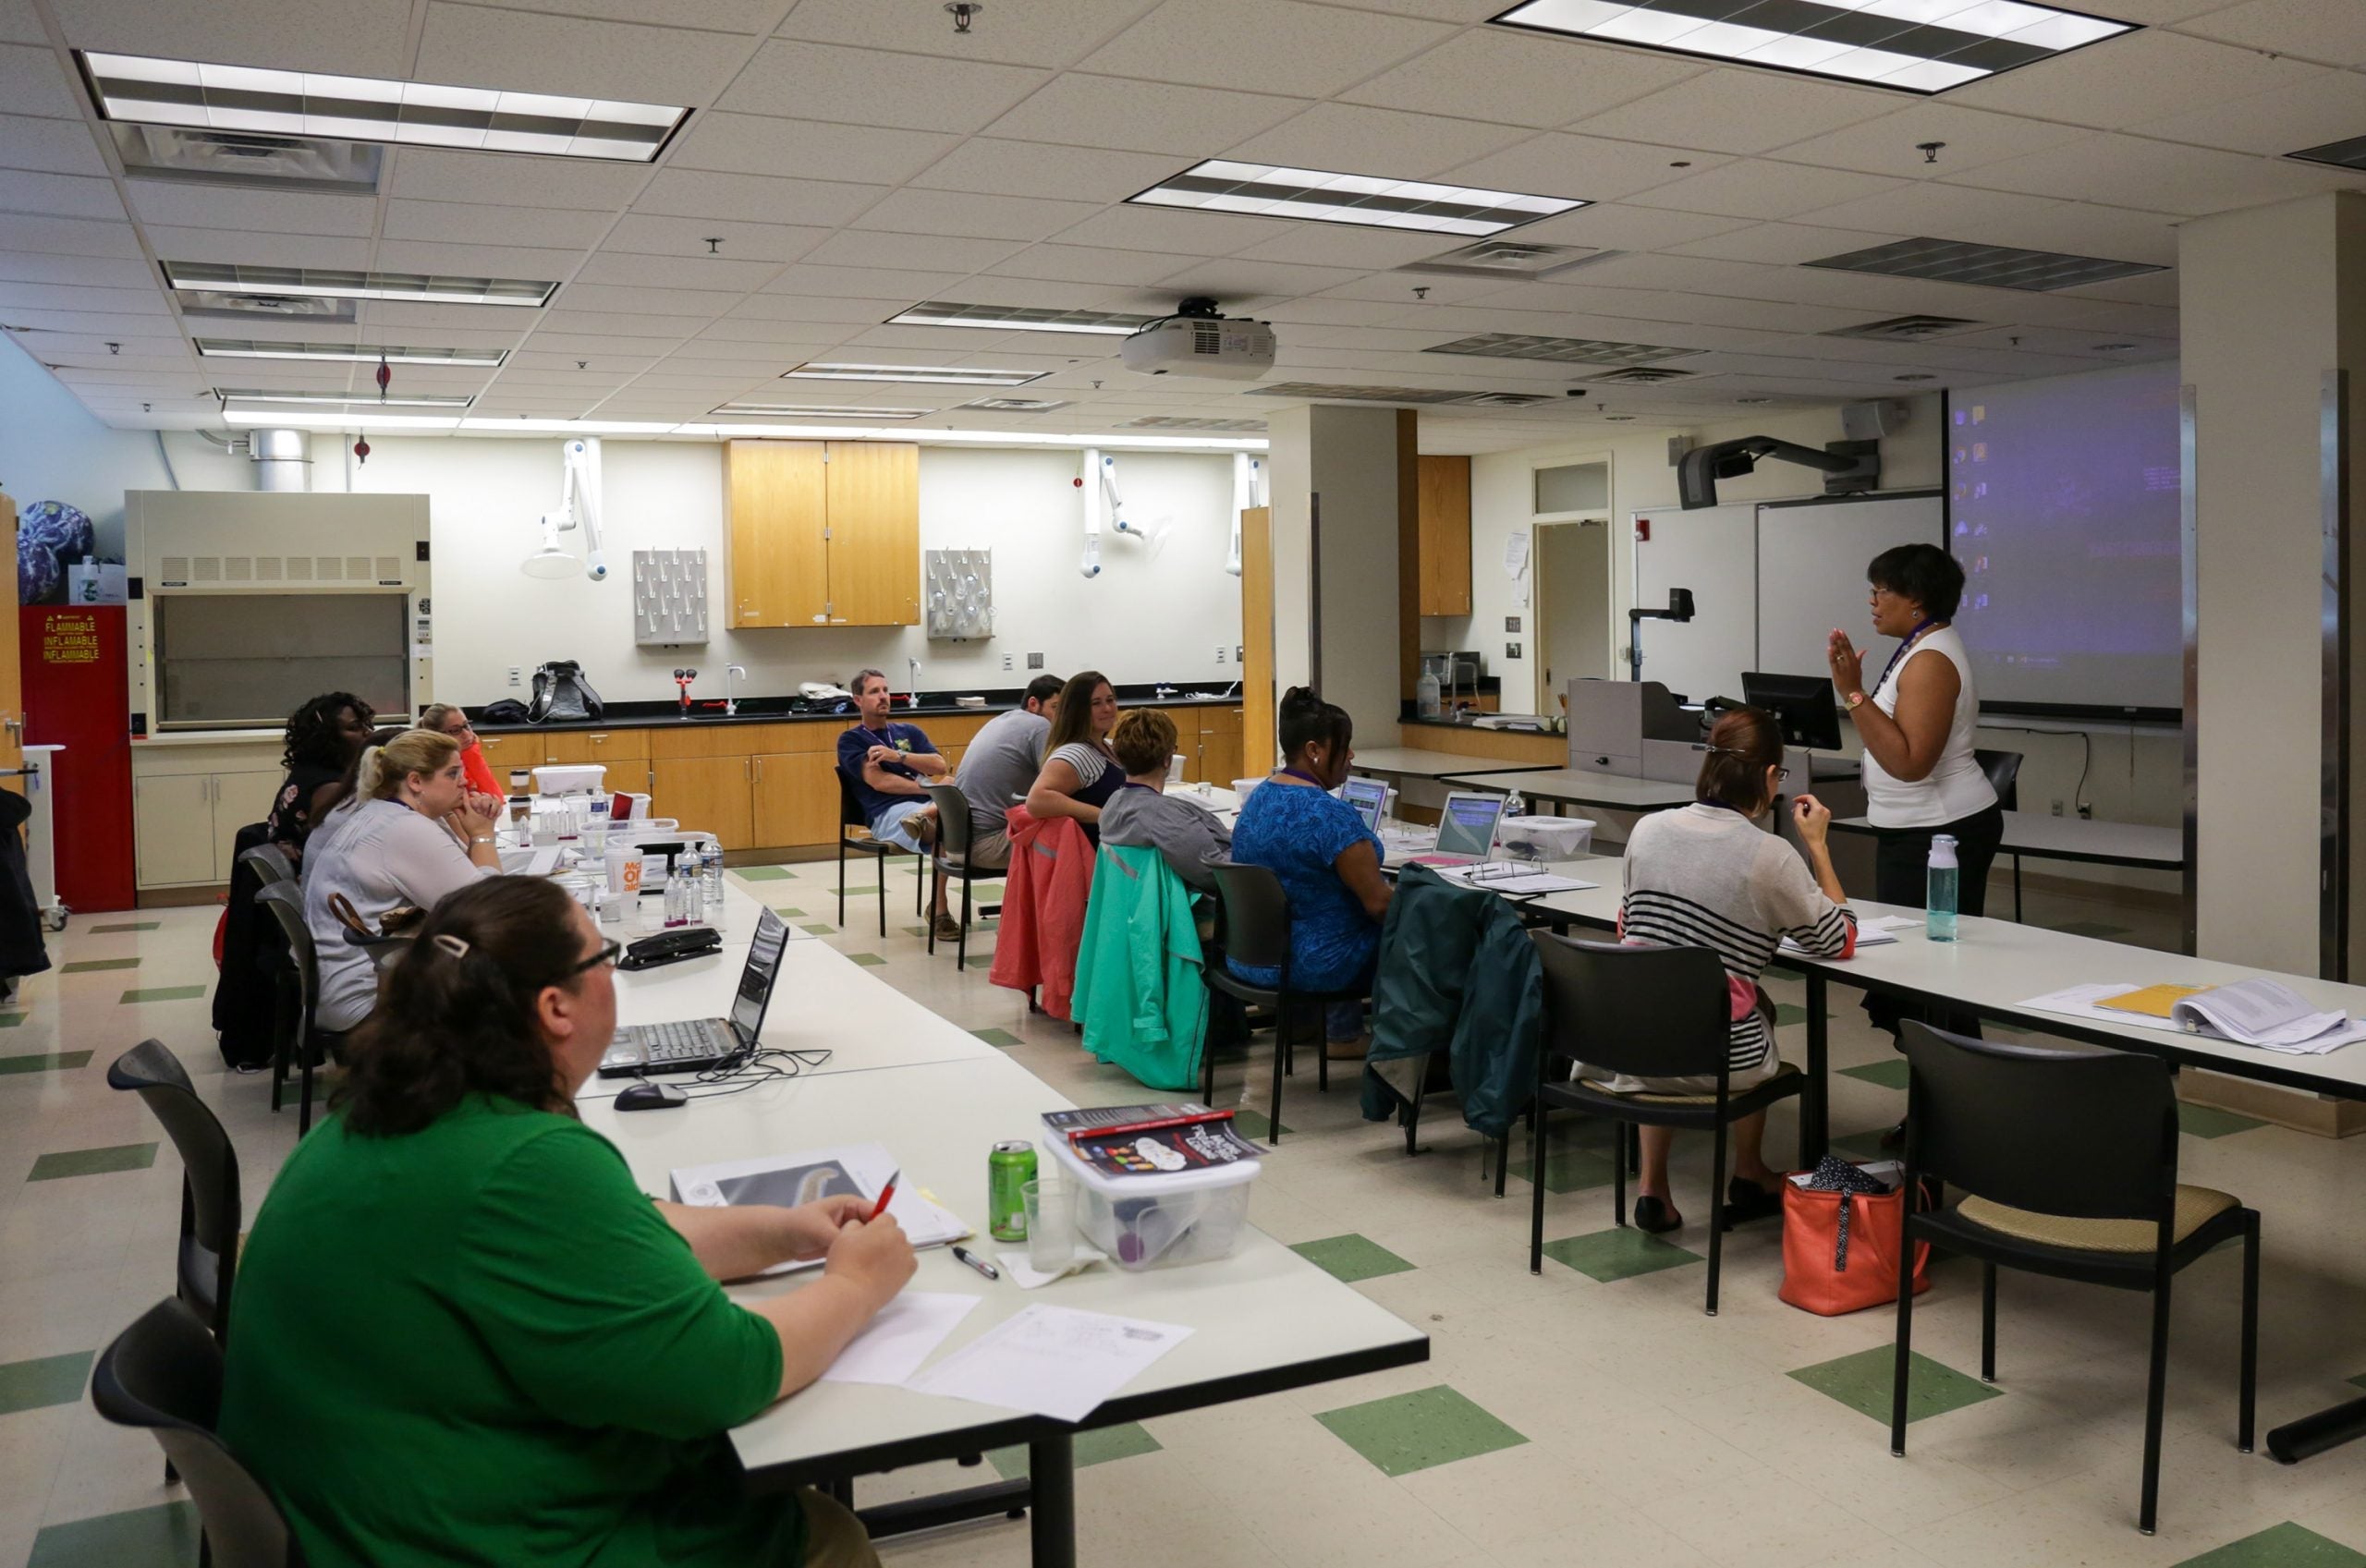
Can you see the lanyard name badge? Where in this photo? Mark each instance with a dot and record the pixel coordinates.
(1903, 648)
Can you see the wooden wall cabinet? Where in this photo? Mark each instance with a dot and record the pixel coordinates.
(821, 533)
(1444, 534)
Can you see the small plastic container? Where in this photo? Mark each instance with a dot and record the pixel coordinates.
(570, 778)
(1158, 1222)
(1547, 838)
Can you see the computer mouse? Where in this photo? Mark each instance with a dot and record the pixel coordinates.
(652, 1097)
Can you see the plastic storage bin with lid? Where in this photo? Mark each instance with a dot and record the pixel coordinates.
(1158, 1222)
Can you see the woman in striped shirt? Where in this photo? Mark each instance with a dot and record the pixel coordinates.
(1708, 876)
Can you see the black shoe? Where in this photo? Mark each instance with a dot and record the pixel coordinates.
(1654, 1216)
(1746, 1201)
(1895, 1138)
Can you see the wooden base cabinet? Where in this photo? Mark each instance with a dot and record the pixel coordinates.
(716, 793)
(796, 798)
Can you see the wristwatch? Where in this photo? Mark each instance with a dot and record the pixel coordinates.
(1855, 700)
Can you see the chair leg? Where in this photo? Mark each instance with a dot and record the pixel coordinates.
(1716, 1211)
(1323, 1053)
(1988, 1322)
(931, 921)
(2246, 1396)
(1618, 1178)
(961, 943)
(306, 1048)
(2156, 1392)
(841, 879)
(920, 887)
(1503, 1158)
(883, 896)
(1281, 1051)
(1905, 1332)
(1536, 1197)
(1630, 1139)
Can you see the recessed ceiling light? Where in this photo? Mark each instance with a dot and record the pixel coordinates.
(1914, 378)
(1016, 405)
(233, 348)
(1991, 266)
(343, 400)
(2113, 347)
(1560, 350)
(954, 375)
(1913, 45)
(1322, 391)
(321, 283)
(820, 411)
(2350, 155)
(1271, 191)
(143, 91)
(1005, 318)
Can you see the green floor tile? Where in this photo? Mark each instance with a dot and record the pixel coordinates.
(920, 931)
(786, 913)
(127, 926)
(2209, 1122)
(152, 1537)
(1003, 1038)
(1350, 1257)
(87, 965)
(52, 1379)
(1865, 1146)
(1252, 1124)
(1568, 1170)
(47, 1061)
(818, 929)
(1419, 1431)
(2279, 1546)
(981, 960)
(165, 993)
(764, 873)
(868, 960)
(1790, 1013)
(1098, 1446)
(1886, 1074)
(1863, 1383)
(1619, 1253)
(10, 1020)
(2091, 928)
(93, 1161)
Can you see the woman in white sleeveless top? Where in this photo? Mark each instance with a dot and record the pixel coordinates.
(1917, 721)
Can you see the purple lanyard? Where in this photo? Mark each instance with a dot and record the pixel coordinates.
(1903, 648)
(1295, 773)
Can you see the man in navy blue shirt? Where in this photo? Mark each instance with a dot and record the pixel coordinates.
(887, 762)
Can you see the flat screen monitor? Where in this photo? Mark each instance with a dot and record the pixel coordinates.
(1467, 824)
(1369, 796)
(1804, 705)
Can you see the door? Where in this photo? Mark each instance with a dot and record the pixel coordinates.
(776, 564)
(1572, 608)
(712, 793)
(12, 693)
(172, 819)
(874, 511)
(796, 799)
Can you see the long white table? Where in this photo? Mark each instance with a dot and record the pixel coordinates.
(1575, 786)
(2082, 839)
(1406, 763)
(1263, 1320)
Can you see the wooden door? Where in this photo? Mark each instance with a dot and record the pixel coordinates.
(1444, 534)
(874, 489)
(1257, 644)
(712, 793)
(12, 691)
(776, 556)
(171, 829)
(796, 799)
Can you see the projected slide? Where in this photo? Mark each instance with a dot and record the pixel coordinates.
(2064, 514)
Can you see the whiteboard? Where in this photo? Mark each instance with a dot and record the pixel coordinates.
(1714, 552)
(1811, 558)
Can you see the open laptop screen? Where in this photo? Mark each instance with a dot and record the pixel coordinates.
(756, 978)
(1467, 824)
(1369, 796)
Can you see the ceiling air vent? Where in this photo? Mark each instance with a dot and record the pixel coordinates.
(1906, 329)
(1172, 421)
(1989, 266)
(1643, 375)
(247, 158)
(1016, 405)
(1560, 350)
(1504, 399)
(1320, 393)
(307, 308)
(1509, 258)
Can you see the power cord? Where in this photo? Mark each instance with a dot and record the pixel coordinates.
(2086, 756)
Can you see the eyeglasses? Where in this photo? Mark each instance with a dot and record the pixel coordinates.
(608, 954)
(1782, 773)
(463, 727)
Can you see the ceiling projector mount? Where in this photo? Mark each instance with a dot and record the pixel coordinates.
(1199, 341)
(1849, 467)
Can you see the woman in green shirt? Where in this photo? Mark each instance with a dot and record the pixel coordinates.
(465, 1336)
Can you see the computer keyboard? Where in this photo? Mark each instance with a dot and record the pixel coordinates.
(673, 1044)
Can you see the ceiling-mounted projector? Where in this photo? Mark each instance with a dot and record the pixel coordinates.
(1196, 341)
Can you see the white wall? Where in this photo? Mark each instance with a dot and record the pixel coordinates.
(1143, 619)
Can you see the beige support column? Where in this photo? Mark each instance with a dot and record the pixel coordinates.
(1342, 483)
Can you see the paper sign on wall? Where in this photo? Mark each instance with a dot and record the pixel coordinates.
(1516, 564)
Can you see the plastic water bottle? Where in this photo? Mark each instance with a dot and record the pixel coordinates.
(1941, 924)
(1425, 692)
(711, 879)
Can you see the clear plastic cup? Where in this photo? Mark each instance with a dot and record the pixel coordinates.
(1051, 1225)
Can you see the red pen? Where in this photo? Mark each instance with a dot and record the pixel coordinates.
(885, 1194)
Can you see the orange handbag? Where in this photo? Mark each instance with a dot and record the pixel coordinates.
(1820, 1274)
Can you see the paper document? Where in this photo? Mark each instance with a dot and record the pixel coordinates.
(1881, 929)
(790, 1179)
(2085, 1002)
(892, 1348)
(2154, 1002)
(1507, 876)
(1050, 1361)
(2256, 1012)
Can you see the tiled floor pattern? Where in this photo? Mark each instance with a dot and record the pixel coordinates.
(1589, 1416)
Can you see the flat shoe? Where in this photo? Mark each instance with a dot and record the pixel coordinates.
(1746, 1201)
(947, 928)
(1654, 1215)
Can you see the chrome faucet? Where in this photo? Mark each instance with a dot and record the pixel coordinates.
(914, 667)
(731, 703)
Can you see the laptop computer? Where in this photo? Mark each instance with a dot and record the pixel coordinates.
(1369, 797)
(1466, 829)
(696, 1044)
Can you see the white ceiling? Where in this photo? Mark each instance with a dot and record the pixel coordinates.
(855, 156)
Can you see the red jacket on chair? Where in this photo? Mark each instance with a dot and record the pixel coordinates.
(1042, 908)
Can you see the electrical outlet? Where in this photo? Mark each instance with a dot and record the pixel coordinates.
(1239, 654)
(2057, 808)
(1005, 661)
(1511, 650)
(514, 671)
(1219, 655)
(2086, 811)
(1035, 661)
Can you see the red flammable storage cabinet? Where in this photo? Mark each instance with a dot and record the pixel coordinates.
(77, 695)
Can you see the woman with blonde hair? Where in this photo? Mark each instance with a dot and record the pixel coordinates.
(416, 835)
(450, 718)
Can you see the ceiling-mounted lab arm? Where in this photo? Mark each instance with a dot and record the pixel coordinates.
(1848, 466)
(1094, 503)
(1112, 499)
(579, 506)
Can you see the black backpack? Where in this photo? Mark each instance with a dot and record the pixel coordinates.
(561, 692)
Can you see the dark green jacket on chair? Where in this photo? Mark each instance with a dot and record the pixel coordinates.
(1458, 974)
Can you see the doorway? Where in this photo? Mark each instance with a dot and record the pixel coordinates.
(1573, 641)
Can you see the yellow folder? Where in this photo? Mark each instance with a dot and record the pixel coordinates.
(2154, 1002)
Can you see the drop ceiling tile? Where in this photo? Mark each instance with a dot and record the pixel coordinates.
(860, 283)
(1029, 294)
(1019, 35)
(70, 237)
(990, 167)
(1084, 264)
(475, 261)
(1589, 168)
(59, 147)
(706, 274)
(93, 271)
(1524, 78)
(1338, 245)
(752, 337)
(573, 345)
(1738, 111)
(819, 81)
(2270, 122)
(1176, 231)
(944, 341)
(94, 323)
(1232, 279)
(1974, 138)
(1346, 139)
(2333, 31)
(890, 252)
(1397, 290)
(566, 379)
(760, 144)
(816, 308)
(713, 15)
(564, 319)
(645, 301)
(258, 213)
(624, 364)
(2123, 79)
(694, 359)
(355, 37)
(19, 23)
(2187, 180)
(687, 236)
(434, 174)
(1261, 46)
(469, 223)
(1781, 244)
(966, 216)
(236, 245)
(1759, 188)
(695, 194)
(134, 301)
(58, 196)
(1096, 111)
(524, 52)
(1610, 225)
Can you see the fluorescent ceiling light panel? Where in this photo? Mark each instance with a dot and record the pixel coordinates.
(1991, 266)
(340, 422)
(343, 400)
(2350, 155)
(1015, 405)
(1175, 421)
(1222, 185)
(1922, 46)
(1008, 317)
(1560, 350)
(234, 348)
(818, 411)
(140, 90)
(323, 283)
(951, 375)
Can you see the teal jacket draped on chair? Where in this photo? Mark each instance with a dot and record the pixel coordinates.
(1138, 989)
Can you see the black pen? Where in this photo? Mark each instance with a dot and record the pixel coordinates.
(980, 1264)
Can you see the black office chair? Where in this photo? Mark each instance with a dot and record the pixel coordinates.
(1648, 1013)
(1253, 926)
(299, 1034)
(850, 815)
(210, 1211)
(951, 859)
(163, 1375)
(270, 864)
(2069, 1158)
(2003, 771)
